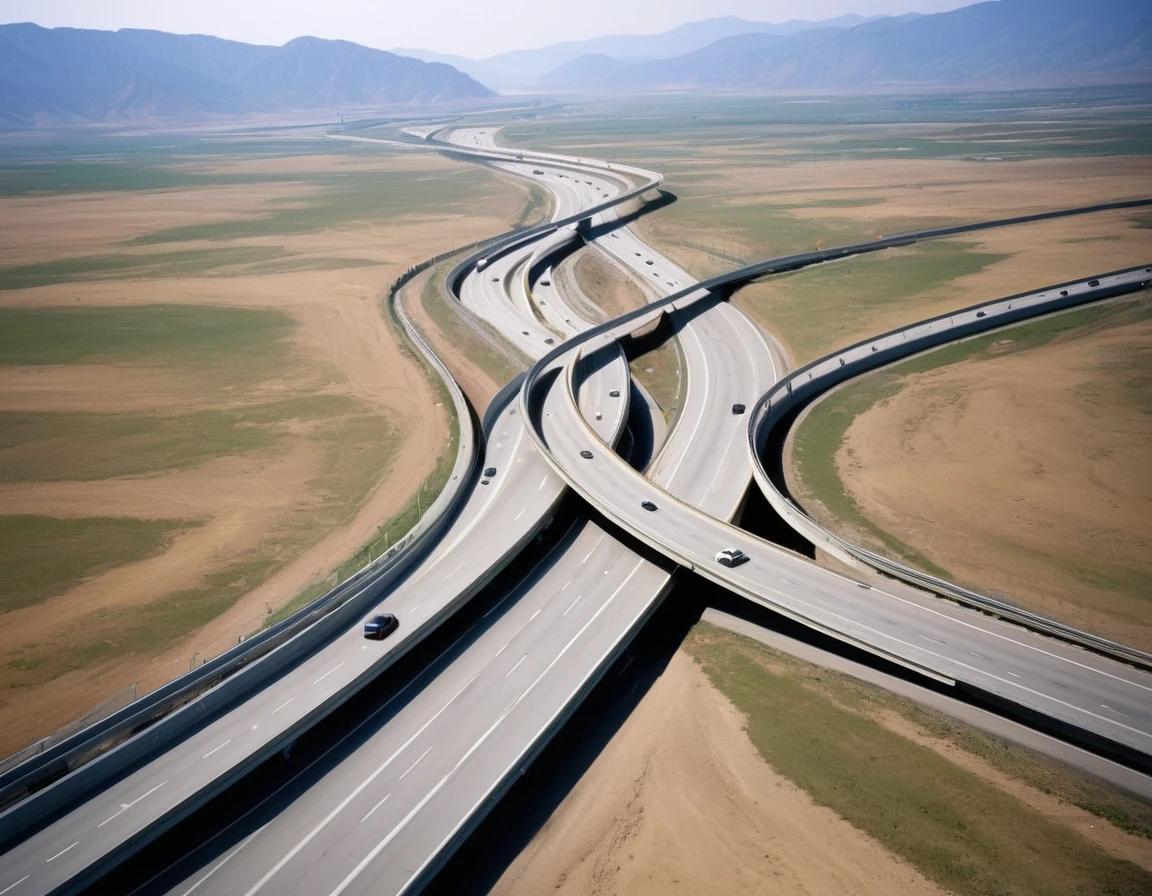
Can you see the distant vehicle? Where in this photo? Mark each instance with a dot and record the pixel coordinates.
(545, 282)
(525, 332)
(586, 454)
(731, 557)
(1063, 292)
(615, 393)
(649, 261)
(548, 340)
(484, 481)
(637, 253)
(495, 279)
(537, 171)
(588, 182)
(490, 471)
(648, 505)
(737, 408)
(1093, 282)
(481, 264)
(979, 313)
(380, 627)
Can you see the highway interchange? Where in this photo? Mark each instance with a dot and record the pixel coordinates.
(386, 817)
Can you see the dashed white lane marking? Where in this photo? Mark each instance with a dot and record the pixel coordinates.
(10, 886)
(377, 806)
(978, 656)
(329, 672)
(124, 807)
(282, 705)
(543, 482)
(217, 749)
(292, 853)
(501, 650)
(586, 556)
(517, 666)
(64, 850)
(788, 582)
(534, 615)
(1010, 672)
(456, 570)
(416, 763)
(566, 584)
(571, 605)
(520, 514)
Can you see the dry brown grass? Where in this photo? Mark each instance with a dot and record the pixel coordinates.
(1025, 472)
(294, 510)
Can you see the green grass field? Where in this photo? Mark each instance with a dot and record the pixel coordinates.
(43, 556)
(819, 730)
(823, 308)
(344, 199)
(46, 447)
(144, 334)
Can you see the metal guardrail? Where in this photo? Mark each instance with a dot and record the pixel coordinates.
(816, 378)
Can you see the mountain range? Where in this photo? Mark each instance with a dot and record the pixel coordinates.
(71, 74)
(74, 75)
(1003, 43)
(521, 70)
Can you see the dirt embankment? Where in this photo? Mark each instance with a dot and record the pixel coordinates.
(681, 802)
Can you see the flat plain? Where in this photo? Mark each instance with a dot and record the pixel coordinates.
(204, 409)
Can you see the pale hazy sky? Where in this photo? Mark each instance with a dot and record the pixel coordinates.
(472, 28)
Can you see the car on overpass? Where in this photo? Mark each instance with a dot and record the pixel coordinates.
(381, 626)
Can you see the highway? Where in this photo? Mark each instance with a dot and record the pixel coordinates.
(591, 596)
(502, 516)
(1091, 693)
(384, 818)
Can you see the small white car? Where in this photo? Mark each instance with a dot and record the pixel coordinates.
(731, 557)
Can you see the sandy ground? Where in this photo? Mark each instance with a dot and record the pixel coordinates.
(343, 347)
(1026, 474)
(681, 802)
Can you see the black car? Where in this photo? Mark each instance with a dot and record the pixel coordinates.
(380, 627)
(1093, 283)
(737, 409)
(615, 393)
(490, 471)
(586, 454)
(648, 505)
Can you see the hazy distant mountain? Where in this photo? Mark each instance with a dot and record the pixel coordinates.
(81, 75)
(589, 70)
(520, 69)
(996, 43)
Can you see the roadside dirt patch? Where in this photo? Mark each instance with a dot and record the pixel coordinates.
(607, 286)
(681, 802)
(1025, 474)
